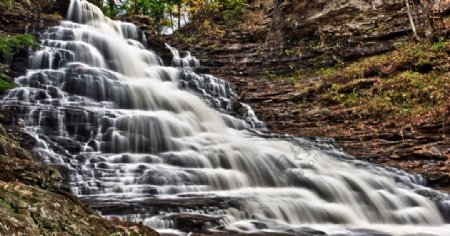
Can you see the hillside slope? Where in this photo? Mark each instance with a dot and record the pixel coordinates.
(348, 70)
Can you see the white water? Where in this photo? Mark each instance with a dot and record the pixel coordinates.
(127, 130)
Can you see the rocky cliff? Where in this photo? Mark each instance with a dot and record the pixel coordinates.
(282, 36)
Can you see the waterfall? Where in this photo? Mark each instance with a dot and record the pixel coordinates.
(158, 144)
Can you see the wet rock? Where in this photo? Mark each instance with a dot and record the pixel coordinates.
(72, 146)
(194, 222)
(305, 231)
(367, 232)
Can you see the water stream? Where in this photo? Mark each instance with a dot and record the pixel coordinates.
(157, 144)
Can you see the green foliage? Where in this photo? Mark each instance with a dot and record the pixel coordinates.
(407, 92)
(7, 205)
(5, 4)
(326, 72)
(12, 44)
(230, 10)
(409, 81)
(213, 46)
(438, 45)
(288, 52)
(5, 82)
(156, 9)
(233, 11)
(259, 50)
(347, 100)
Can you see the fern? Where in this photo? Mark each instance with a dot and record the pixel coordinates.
(5, 82)
(12, 44)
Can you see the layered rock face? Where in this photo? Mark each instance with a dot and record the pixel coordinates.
(348, 29)
(303, 34)
(25, 16)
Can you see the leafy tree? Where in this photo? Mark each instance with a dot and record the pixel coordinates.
(158, 10)
(179, 5)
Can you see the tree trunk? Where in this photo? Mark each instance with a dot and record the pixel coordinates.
(411, 21)
(171, 20)
(179, 16)
(112, 6)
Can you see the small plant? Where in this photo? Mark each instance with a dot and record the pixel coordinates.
(213, 46)
(417, 52)
(423, 63)
(259, 50)
(288, 52)
(189, 40)
(439, 45)
(12, 44)
(414, 78)
(326, 72)
(7, 205)
(5, 82)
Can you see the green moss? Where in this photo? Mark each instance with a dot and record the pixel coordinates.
(5, 204)
(348, 100)
(213, 46)
(5, 82)
(411, 80)
(289, 52)
(326, 72)
(439, 45)
(12, 44)
(4, 77)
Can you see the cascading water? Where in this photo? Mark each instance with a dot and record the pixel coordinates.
(150, 143)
